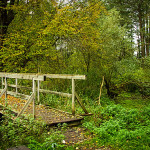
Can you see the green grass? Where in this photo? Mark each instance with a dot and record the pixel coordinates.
(132, 100)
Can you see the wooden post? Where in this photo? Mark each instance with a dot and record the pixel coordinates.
(34, 90)
(6, 91)
(80, 103)
(2, 82)
(16, 86)
(101, 91)
(38, 92)
(73, 97)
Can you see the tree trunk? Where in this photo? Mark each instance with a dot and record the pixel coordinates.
(6, 16)
(88, 62)
(87, 59)
(149, 32)
(110, 92)
(147, 38)
(140, 16)
(3, 20)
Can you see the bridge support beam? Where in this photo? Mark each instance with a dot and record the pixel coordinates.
(4, 91)
(73, 97)
(26, 105)
(34, 94)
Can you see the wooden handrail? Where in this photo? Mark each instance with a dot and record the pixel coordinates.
(42, 77)
(28, 76)
(65, 76)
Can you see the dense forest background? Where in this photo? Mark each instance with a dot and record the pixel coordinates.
(92, 37)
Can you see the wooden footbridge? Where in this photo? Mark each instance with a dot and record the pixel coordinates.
(26, 105)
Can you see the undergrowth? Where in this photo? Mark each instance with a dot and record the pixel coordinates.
(30, 133)
(120, 124)
(111, 125)
(120, 128)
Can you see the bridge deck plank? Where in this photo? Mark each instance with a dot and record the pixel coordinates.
(43, 113)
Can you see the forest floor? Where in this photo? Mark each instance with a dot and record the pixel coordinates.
(78, 136)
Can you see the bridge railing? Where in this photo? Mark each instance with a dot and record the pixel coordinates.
(73, 94)
(38, 78)
(16, 76)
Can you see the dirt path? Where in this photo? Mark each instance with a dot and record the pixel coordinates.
(81, 139)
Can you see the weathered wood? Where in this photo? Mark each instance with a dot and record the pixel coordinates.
(55, 92)
(3, 91)
(65, 76)
(38, 92)
(26, 105)
(80, 103)
(73, 97)
(42, 77)
(23, 76)
(16, 86)
(2, 82)
(100, 92)
(89, 114)
(6, 91)
(34, 94)
(18, 94)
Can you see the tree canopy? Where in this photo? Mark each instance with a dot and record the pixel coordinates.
(84, 37)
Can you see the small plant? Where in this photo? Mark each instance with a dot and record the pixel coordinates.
(15, 133)
(51, 142)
